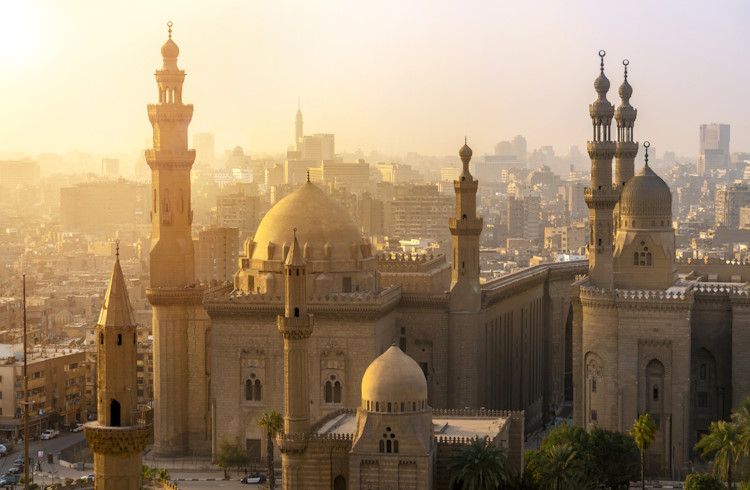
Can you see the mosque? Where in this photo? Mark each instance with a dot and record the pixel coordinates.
(630, 331)
(651, 335)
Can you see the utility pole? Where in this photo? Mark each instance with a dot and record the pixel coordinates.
(25, 399)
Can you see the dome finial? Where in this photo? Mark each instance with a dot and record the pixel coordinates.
(308, 175)
(169, 28)
(602, 53)
(625, 63)
(117, 248)
(646, 144)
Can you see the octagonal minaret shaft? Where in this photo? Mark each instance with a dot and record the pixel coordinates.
(626, 149)
(296, 327)
(172, 262)
(601, 197)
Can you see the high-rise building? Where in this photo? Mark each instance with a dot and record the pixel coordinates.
(105, 207)
(317, 148)
(728, 202)
(238, 210)
(218, 249)
(713, 148)
(205, 149)
(111, 167)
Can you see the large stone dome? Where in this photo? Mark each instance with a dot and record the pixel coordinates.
(325, 229)
(646, 201)
(394, 382)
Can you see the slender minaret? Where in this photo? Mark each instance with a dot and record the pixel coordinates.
(626, 149)
(121, 431)
(465, 229)
(296, 326)
(601, 197)
(298, 125)
(172, 257)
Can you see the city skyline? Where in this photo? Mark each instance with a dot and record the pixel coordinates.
(412, 77)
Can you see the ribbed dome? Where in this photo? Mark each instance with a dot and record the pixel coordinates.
(170, 49)
(394, 379)
(645, 198)
(321, 224)
(601, 84)
(63, 318)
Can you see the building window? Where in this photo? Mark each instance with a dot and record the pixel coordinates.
(703, 371)
(594, 415)
(656, 393)
(253, 389)
(389, 443)
(332, 391)
(119, 339)
(101, 338)
(593, 386)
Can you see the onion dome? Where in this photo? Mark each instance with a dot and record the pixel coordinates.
(321, 222)
(169, 49)
(625, 111)
(646, 201)
(394, 382)
(465, 154)
(601, 108)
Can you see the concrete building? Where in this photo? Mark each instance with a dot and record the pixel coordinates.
(419, 211)
(205, 149)
(218, 250)
(713, 151)
(650, 335)
(102, 208)
(111, 167)
(728, 202)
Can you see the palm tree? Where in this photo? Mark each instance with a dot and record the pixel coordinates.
(644, 432)
(724, 442)
(480, 466)
(561, 469)
(273, 423)
(741, 417)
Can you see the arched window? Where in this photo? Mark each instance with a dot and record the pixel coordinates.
(635, 258)
(119, 339)
(258, 387)
(114, 413)
(296, 312)
(388, 443)
(248, 390)
(337, 392)
(253, 389)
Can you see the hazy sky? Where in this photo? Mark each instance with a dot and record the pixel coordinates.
(395, 76)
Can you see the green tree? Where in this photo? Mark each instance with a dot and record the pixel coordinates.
(612, 459)
(741, 417)
(723, 441)
(231, 455)
(702, 481)
(644, 432)
(480, 466)
(273, 423)
(561, 469)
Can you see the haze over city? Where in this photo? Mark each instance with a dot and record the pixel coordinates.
(390, 76)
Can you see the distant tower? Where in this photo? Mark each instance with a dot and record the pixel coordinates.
(121, 431)
(296, 327)
(298, 125)
(172, 257)
(626, 148)
(465, 229)
(601, 197)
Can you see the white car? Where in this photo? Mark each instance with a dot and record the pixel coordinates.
(50, 434)
(77, 428)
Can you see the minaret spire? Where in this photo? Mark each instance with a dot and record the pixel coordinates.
(298, 134)
(601, 197)
(627, 149)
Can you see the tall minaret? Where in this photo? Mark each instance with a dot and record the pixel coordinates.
(121, 430)
(172, 262)
(298, 125)
(465, 229)
(601, 197)
(626, 149)
(296, 327)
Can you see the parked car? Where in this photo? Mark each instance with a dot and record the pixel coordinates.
(254, 478)
(16, 469)
(3, 450)
(50, 434)
(9, 480)
(88, 478)
(77, 428)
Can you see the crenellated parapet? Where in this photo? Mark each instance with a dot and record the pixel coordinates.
(468, 412)
(408, 262)
(711, 261)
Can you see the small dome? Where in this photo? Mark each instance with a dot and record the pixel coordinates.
(394, 378)
(465, 152)
(644, 198)
(626, 91)
(320, 222)
(63, 318)
(170, 49)
(601, 84)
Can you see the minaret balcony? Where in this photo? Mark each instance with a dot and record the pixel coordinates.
(170, 160)
(122, 440)
(466, 226)
(626, 149)
(601, 150)
(294, 328)
(170, 112)
(601, 198)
